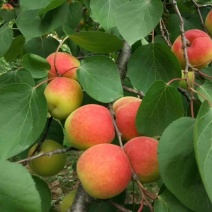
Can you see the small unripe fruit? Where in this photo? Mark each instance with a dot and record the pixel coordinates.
(67, 201)
(45, 165)
(142, 154)
(63, 96)
(191, 79)
(104, 171)
(7, 7)
(63, 64)
(89, 125)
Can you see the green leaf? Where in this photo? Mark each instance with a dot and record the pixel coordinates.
(150, 63)
(178, 167)
(36, 26)
(42, 46)
(52, 5)
(16, 49)
(38, 66)
(161, 105)
(104, 12)
(136, 19)
(100, 78)
(205, 92)
(33, 5)
(6, 38)
(44, 192)
(203, 144)
(75, 15)
(98, 42)
(23, 112)
(167, 202)
(17, 76)
(18, 191)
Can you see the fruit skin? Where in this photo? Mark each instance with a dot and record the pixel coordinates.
(191, 79)
(208, 22)
(65, 63)
(7, 7)
(142, 154)
(126, 119)
(124, 100)
(199, 49)
(89, 125)
(67, 201)
(104, 171)
(47, 166)
(63, 96)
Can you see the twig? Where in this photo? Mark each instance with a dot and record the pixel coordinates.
(165, 33)
(134, 91)
(41, 154)
(120, 207)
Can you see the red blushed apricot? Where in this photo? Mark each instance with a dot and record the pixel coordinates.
(208, 22)
(199, 49)
(7, 7)
(65, 64)
(125, 120)
(89, 125)
(124, 100)
(63, 96)
(104, 171)
(142, 154)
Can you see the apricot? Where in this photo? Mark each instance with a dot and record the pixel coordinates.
(104, 171)
(199, 49)
(124, 100)
(63, 64)
(89, 125)
(63, 96)
(45, 165)
(126, 119)
(208, 22)
(142, 154)
(7, 7)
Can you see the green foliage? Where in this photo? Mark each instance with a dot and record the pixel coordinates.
(18, 190)
(124, 49)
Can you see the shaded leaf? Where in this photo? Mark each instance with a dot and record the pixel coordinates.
(136, 19)
(150, 63)
(98, 42)
(6, 38)
(23, 113)
(100, 78)
(18, 191)
(42, 46)
(44, 192)
(203, 144)
(167, 202)
(178, 167)
(17, 76)
(161, 105)
(38, 66)
(16, 49)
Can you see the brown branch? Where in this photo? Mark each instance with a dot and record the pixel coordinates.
(81, 201)
(133, 91)
(122, 60)
(119, 207)
(41, 154)
(165, 32)
(185, 42)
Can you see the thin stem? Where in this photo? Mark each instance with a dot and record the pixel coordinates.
(133, 91)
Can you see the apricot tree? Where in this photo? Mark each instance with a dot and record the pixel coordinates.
(92, 75)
